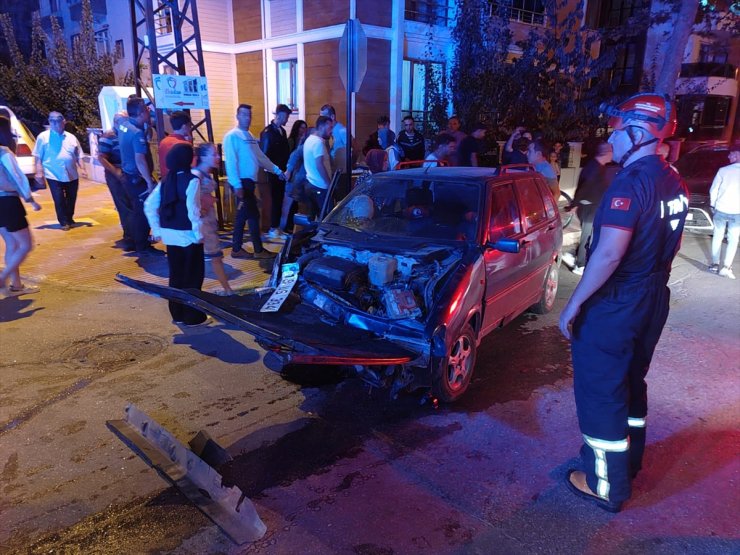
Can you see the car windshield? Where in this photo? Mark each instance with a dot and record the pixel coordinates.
(702, 164)
(412, 207)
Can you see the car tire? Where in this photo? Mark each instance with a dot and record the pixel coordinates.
(549, 290)
(453, 373)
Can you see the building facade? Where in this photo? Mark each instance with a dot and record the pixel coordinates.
(265, 52)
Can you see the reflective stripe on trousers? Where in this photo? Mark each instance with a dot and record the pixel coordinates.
(600, 447)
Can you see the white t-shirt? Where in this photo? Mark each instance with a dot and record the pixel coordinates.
(313, 148)
(59, 154)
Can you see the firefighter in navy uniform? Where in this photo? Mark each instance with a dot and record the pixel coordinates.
(617, 312)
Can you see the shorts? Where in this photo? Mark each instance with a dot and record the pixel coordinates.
(12, 213)
(211, 240)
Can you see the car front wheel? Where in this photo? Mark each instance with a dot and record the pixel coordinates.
(454, 372)
(549, 290)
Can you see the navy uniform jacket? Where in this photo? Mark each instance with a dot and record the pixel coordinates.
(649, 198)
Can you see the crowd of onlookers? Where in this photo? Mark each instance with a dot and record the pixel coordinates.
(179, 208)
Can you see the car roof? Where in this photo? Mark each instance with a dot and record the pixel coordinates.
(476, 175)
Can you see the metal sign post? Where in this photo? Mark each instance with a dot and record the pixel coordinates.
(352, 69)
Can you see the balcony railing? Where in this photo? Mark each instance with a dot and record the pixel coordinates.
(520, 12)
(708, 69)
(429, 11)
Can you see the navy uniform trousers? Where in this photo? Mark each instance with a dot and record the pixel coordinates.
(614, 338)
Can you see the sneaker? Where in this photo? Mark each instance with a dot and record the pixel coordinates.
(224, 293)
(240, 253)
(578, 270)
(724, 272)
(66, 227)
(264, 254)
(568, 259)
(150, 251)
(713, 268)
(25, 290)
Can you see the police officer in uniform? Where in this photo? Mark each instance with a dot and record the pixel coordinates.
(617, 312)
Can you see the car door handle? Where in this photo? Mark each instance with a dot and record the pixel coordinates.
(551, 227)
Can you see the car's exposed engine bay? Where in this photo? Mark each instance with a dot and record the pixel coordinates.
(382, 284)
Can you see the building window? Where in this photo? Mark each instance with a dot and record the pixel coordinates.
(102, 42)
(120, 51)
(523, 11)
(625, 71)
(433, 12)
(712, 53)
(702, 117)
(53, 6)
(74, 40)
(616, 12)
(287, 87)
(162, 20)
(418, 78)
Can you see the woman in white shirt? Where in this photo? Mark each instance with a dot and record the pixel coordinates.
(13, 224)
(173, 211)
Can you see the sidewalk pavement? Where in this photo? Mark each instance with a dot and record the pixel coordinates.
(86, 256)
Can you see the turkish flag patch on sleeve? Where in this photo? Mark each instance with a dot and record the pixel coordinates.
(620, 204)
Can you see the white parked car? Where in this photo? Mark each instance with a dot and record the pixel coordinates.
(25, 143)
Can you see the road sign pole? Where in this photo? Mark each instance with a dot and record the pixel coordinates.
(350, 89)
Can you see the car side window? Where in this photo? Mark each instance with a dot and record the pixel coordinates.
(504, 213)
(533, 208)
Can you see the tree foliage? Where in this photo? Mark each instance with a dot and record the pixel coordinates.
(56, 77)
(556, 77)
(550, 84)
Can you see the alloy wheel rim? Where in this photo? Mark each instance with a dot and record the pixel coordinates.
(458, 363)
(551, 288)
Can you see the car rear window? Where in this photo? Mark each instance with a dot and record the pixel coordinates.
(702, 164)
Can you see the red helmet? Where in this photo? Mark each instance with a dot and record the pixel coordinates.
(649, 111)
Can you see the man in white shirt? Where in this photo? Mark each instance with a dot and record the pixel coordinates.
(244, 159)
(338, 146)
(724, 196)
(317, 163)
(57, 154)
(442, 147)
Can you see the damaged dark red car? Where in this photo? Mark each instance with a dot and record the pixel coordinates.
(402, 280)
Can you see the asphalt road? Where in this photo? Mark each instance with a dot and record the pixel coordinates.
(333, 467)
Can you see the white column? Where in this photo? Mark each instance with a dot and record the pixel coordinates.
(397, 46)
(301, 81)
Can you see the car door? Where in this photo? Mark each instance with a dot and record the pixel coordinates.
(506, 272)
(540, 231)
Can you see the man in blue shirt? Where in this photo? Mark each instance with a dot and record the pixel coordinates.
(109, 155)
(137, 172)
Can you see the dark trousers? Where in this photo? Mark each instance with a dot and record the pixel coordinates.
(247, 212)
(64, 194)
(187, 269)
(614, 338)
(121, 202)
(586, 214)
(277, 194)
(316, 199)
(138, 226)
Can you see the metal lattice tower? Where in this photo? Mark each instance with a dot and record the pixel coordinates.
(149, 18)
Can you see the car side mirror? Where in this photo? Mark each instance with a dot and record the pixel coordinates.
(505, 245)
(305, 221)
